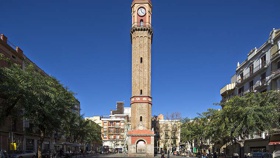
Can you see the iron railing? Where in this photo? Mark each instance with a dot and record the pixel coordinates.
(253, 72)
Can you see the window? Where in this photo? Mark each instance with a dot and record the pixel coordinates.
(117, 130)
(241, 77)
(241, 91)
(111, 130)
(14, 124)
(140, 118)
(166, 135)
(111, 123)
(251, 69)
(263, 61)
(263, 76)
(141, 23)
(278, 86)
(141, 60)
(251, 86)
(173, 135)
(141, 92)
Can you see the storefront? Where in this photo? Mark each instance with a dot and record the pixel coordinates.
(274, 142)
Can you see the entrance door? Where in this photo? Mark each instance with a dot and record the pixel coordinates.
(141, 147)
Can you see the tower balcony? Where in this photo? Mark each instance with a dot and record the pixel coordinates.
(142, 24)
(142, 27)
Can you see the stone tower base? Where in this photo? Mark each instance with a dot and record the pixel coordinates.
(140, 143)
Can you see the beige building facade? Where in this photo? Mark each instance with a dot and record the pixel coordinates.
(170, 131)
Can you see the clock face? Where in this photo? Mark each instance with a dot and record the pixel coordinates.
(141, 11)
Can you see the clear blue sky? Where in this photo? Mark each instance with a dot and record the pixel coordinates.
(86, 45)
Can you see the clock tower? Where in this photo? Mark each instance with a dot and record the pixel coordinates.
(141, 136)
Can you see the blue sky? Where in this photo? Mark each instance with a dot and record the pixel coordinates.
(86, 45)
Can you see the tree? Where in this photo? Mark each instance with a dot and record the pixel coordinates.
(43, 100)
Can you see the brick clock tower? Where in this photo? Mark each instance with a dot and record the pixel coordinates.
(141, 137)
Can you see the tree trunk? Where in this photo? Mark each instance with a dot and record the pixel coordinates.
(40, 144)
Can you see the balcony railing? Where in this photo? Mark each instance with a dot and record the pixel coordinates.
(275, 74)
(252, 73)
(260, 84)
(142, 24)
(276, 54)
(228, 87)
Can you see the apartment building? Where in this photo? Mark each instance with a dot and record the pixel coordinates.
(260, 72)
(169, 134)
(96, 119)
(19, 130)
(11, 129)
(114, 129)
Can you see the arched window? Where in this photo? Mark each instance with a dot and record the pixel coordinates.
(141, 92)
(140, 118)
(141, 60)
(141, 23)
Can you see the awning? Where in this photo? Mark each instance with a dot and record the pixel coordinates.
(274, 143)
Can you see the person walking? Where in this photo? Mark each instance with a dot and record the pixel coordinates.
(162, 155)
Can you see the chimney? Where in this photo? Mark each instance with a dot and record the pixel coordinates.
(4, 38)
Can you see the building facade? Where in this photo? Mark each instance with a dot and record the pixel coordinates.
(18, 130)
(114, 129)
(141, 136)
(170, 131)
(12, 130)
(96, 119)
(260, 72)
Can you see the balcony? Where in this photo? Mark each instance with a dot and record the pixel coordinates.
(141, 27)
(227, 88)
(257, 70)
(275, 74)
(260, 84)
(142, 24)
(174, 137)
(275, 55)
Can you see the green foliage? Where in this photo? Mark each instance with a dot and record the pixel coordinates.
(76, 129)
(241, 116)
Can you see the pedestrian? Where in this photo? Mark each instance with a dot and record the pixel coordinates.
(162, 155)
(215, 155)
(61, 152)
(168, 154)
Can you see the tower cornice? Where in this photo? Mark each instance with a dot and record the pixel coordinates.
(141, 28)
(141, 99)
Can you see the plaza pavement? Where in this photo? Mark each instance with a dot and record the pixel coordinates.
(125, 155)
